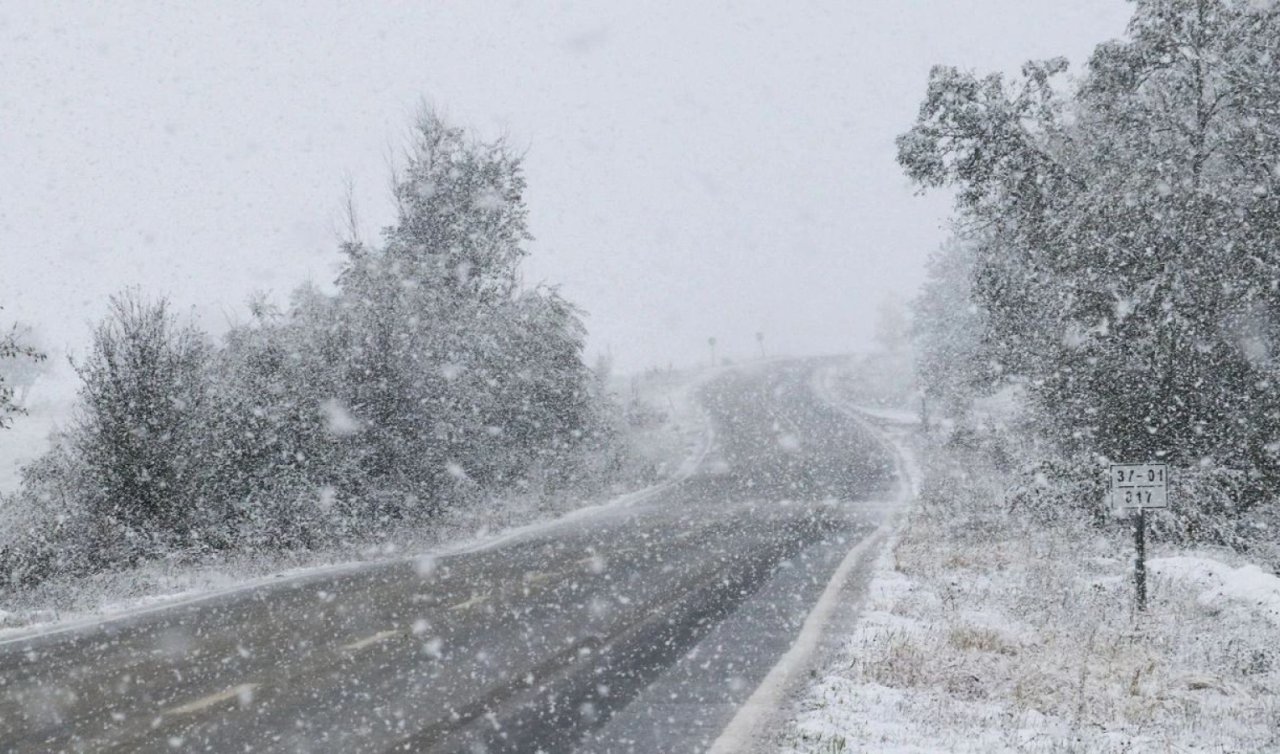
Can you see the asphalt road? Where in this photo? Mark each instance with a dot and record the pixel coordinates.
(639, 627)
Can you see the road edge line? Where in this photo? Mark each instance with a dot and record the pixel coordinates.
(760, 709)
(740, 734)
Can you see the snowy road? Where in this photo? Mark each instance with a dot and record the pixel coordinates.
(640, 627)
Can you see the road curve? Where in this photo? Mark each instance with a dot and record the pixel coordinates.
(636, 628)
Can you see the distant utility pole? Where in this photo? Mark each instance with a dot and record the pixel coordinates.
(712, 342)
(760, 342)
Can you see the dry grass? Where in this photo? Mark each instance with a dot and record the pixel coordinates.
(980, 639)
(993, 633)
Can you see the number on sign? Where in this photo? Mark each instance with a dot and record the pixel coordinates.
(1137, 497)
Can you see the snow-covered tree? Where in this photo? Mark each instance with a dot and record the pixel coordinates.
(892, 327)
(546, 398)
(954, 361)
(1125, 232)
(460, 378)
(280, 446)
(428, 378)
(462, 221)
(139, 429)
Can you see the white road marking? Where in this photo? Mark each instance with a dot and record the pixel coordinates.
(766, 700)
(355, 646)
(471, 601)
(235, 692)
(757, 712)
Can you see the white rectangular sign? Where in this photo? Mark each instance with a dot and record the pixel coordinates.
(1139, 485)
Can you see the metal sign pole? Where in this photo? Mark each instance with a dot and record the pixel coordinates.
(1140, 563)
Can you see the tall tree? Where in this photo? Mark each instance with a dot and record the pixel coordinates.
(138, 425)
(1125, 233)
(462, 221)
(954, 359)
(432, 317)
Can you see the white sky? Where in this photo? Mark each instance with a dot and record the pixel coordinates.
(694, 168)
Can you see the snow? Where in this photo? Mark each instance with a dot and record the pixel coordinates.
(985, 632)
(838, 707)
(905, 685)
(160, 586)
(893, 415)
(1247, 588)
(743, 729)
(338, 418)
(1110, 293)
(674, 444)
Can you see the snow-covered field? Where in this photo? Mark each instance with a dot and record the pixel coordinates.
(986, 632)
(671, 446)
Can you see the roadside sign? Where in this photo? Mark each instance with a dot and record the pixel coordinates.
(1139, 486)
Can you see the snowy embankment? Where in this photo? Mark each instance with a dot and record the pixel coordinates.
(672, 445)
(1224, 588)
(984, 631)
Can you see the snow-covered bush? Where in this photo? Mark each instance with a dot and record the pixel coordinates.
(276, 441)
(427, 381)
(49, 528)
(139, 429)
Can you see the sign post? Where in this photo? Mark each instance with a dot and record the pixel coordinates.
(1139, 487)
(1140, 559)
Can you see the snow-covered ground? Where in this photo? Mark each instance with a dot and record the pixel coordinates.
(672, 446)
(1224, 588)
(984, 632)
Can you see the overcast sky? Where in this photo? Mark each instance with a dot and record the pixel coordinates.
(694, 168)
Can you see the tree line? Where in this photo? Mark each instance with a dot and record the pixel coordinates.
(1117, 254)
(428, 380)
